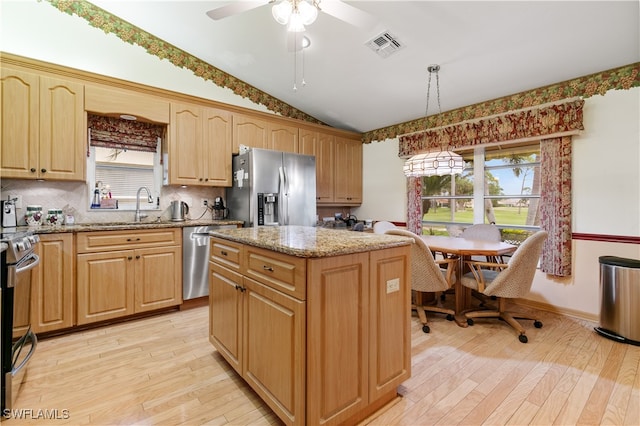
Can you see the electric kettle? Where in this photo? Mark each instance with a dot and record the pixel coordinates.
(179, 211)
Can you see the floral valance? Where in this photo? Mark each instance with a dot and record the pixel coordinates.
(111, 132)
(554, 120)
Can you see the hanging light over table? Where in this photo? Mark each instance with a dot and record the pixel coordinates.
(433, 163)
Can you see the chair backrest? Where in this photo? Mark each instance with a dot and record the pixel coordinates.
(382, 226)
(426, 275)
(483, 232)
(516, 280)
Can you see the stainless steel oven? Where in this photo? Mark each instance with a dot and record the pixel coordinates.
(18, 342)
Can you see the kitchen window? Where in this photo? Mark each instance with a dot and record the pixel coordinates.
(499, 185)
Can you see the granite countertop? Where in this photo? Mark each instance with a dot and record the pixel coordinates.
(306, 241)
(119, 226)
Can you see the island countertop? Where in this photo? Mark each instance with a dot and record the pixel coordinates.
(307, 241)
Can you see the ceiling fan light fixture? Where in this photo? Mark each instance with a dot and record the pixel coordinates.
(295, 14)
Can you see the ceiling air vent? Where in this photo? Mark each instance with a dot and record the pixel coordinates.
(385, 44)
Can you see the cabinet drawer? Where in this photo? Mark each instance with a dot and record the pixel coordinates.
(279, 271)
(88, 242)
(226, 253)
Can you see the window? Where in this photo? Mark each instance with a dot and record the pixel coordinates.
(121, 173)
(499, 185)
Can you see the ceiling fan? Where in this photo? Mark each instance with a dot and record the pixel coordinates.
(298, 13)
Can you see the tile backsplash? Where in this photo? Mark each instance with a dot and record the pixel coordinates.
(72, 198)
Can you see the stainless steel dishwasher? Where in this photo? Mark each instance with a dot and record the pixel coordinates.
(195, 260)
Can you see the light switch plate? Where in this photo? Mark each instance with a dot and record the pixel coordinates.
(393, 285)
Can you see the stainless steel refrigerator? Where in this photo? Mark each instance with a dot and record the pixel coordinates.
(273, 188)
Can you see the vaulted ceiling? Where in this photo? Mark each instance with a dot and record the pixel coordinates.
(486, 50)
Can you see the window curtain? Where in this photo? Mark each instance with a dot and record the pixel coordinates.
(553, 125)
(111, 132)
(555, 204)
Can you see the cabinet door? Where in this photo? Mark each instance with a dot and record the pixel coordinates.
(105, 288)
(216, 146)
(158, 278)
(320, 145)
(337, 338)
(281, 137)
(274, 362)
(184, 145)
(53, 284)
(248, 131)
(225, 314)
(63, 130)
(20, 108)
(389, 320)
(348, 162)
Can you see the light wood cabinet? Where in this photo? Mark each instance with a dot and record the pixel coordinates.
(316, 338)
(200, 146)
(47, 132)
(249, 131)
(120, 273)
(348, 172)
(109, 101)
(53, 284)
(322, 146)
(281, 137)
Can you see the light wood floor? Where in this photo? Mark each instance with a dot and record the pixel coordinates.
(162, 370)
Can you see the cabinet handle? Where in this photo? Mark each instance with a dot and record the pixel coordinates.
(242, 289)
(267, 268)
(138, 257)
(33, 170)
(43, 170)
(129, 258)
(224, 253)
(133, 239)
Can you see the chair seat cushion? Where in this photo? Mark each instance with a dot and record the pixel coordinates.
(469, 280)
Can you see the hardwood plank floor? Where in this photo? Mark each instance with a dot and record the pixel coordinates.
(162, 370)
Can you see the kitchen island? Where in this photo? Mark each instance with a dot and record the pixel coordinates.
(316, 321)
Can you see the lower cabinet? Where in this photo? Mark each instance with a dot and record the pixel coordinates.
(52, 284)
(121, 273)
(333, 356)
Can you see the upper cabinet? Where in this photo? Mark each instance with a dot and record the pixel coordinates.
(249, 131)
(200, 145)
(348, 172)
(322, 146)
(282, 137)
(108, 101)
(43, 127)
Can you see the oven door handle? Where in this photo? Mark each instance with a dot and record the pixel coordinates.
(29, 262)
(34, 342)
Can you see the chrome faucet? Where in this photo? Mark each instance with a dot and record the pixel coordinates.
(139, 216)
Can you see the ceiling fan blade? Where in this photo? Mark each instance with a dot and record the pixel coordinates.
(349, 14)
(235, 8)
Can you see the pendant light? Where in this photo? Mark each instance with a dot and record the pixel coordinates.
(433, 163)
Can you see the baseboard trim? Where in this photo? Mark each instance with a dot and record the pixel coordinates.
(558, 310)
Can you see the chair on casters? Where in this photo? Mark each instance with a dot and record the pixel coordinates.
(484, 232)
(427, 277)
(382, 226)
(506, 281)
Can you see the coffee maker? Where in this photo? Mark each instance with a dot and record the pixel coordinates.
(9, 218)
(219, 211)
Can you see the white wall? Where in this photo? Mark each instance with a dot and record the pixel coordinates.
(606, 196)
(35, 29)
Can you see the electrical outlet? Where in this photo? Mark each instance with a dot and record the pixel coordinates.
(204, 202)
(18, 199)
(393, 285)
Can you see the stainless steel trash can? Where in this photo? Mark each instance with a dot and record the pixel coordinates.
(620, 299)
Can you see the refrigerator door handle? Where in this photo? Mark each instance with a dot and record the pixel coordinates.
(283, 188)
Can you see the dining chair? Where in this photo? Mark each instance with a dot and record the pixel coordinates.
(382, 226)
(484, 232)
(505, 281)
(427, 276)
